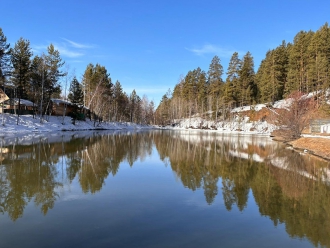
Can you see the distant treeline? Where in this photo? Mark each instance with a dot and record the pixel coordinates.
(303, 66)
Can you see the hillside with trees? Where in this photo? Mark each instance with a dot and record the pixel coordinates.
(296, 68)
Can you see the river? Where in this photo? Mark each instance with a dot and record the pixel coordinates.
(160, 188)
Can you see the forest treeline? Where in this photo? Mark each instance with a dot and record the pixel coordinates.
(301, 66)
(42, 77)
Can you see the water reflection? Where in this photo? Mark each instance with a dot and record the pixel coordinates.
(288, 187)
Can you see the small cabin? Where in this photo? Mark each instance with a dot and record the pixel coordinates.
(61, 107)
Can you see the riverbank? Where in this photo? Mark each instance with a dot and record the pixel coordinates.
(27, 124)
(237, 125)
(318, 146)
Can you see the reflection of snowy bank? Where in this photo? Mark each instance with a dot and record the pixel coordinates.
(255, 157)
(237, 140)
(55, 136)
(282, 163)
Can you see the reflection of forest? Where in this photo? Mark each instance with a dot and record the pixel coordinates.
(36, 172)
(288, 187)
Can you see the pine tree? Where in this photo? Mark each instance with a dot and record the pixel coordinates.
(96, 79)
(20, 58)
(76, 95)
(53, 63)
(271, 77)
(298, 62)
(38, 75)
(233, 78)
(119, 102)
(5, 66)
(263, 80)
(280, 71)
(202, 92)
(319, 59)
(246, 77)
(215, 84)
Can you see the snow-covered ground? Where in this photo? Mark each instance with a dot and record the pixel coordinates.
(27, 124)
(238, 125)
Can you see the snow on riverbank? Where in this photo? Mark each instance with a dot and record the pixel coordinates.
(27, 124)
(239, 125)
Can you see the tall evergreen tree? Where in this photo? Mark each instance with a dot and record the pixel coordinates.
(134, 102)
(233, 77)
(247, 80)
(95, 79)
(298, 62)
(38, 75)
(76, 95)
(279, 70)
(272, 74)
(215, 84)
(54, 63)
(119, 102)
(20, 58)
(263, 78)
(319, 64)
(5, 66)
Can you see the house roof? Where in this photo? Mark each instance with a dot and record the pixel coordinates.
(59, 101)
(22, 102)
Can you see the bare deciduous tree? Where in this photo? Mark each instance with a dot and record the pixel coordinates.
(295, 118)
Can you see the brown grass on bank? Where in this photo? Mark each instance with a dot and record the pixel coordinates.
(316, 146)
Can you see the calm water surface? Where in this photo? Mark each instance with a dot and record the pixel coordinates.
(160, 189)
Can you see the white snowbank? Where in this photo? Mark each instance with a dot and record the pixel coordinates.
(27, 124)
(239, 125)
(248, 108)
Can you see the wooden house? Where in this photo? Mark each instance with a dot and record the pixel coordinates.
(58, 107)
(26, 107)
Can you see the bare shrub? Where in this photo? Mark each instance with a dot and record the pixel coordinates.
(295, 118)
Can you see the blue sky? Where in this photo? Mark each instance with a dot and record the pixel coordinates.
(147, 45)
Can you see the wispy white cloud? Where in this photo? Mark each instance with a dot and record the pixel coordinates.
(65, 51)
(37, 49)
(67, 48)
(212, 49)
(77, 61)
(76, 44)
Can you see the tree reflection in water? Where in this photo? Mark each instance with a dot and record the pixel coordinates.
(288, 187)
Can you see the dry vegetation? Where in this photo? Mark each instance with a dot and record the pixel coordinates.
(317, 146)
